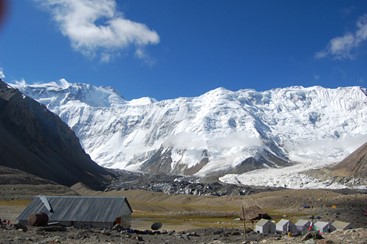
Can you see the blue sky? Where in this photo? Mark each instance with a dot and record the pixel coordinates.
(182, 48)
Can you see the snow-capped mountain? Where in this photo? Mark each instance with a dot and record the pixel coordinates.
(36, 141)
(220, 132)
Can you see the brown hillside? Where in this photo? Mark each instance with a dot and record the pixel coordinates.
(355, 165)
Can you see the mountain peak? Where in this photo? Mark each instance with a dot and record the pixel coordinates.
(218, 92)
(62, 92)
(217, 133)
(64, 83)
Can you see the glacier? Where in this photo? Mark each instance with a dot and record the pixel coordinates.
(265, 138)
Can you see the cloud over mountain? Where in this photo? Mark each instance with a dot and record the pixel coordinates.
(96, 28)
(343, 47)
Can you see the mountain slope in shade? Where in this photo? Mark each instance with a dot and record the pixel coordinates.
(355, 165)
(220, 132)
(36, 141)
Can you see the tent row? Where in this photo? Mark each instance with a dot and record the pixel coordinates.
(302, 226)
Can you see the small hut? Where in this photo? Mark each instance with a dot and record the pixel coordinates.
(286, 226)
(265, 226)
(302, 225)
(323, 227)
(340, 225)
(80, 211)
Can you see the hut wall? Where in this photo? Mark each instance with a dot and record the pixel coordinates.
(271, 227)
(260, 229)
(268, 228)
(327, 228)
(287, 227)
(302, 228)
(126, 221)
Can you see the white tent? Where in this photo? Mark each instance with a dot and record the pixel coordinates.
(265, 226)
(323, 227)
(286, 226)
(302, 225)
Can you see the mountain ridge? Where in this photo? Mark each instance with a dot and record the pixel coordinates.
(35, 140)
(272, 129)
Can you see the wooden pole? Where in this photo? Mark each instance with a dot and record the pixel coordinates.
(244, 219)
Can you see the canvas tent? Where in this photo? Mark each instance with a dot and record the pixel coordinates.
(340, 225)
(286, 226)
(265, 226)
(302, 225)
(81, 211)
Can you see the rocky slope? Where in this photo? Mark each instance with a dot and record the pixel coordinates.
(36, 141)
(220, 132)
(16, 184)
(350, 172)
(354, 166)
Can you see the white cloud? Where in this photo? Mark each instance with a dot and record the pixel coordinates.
(342, 47)
(2, 75)
(141, 54)
(96, 28)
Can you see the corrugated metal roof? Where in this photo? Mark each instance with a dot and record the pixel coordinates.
(73, 208)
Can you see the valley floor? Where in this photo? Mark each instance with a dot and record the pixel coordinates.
(197, 213)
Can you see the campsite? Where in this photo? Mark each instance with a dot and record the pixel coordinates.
(168, 122)
(199, 219)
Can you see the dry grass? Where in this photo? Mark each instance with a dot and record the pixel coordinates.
(14, 203)
(184, 221)
(182, 212)
(10, 209)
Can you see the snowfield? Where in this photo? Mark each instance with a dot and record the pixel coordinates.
(219, 131)
(289, 177)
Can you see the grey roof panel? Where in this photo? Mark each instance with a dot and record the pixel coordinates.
(262, 222)
(282, 222)
(87, 209)
(321, 224)
(302, 222)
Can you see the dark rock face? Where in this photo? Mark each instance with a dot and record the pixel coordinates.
(160, 163)
(35, 140)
